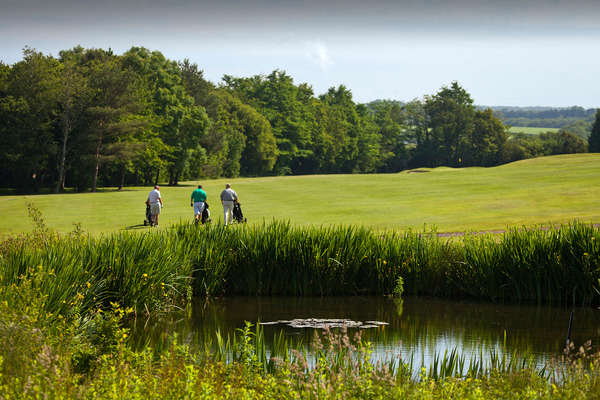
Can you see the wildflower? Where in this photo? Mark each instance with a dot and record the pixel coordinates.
(585, 254)
(88, 284)
(145, 276)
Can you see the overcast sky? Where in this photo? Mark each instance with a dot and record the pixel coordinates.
(509, 52)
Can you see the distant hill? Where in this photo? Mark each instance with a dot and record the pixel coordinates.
(372, 105)
(542, 112)
(575, 119)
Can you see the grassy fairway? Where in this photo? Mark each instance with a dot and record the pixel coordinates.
(536, 191)
(531, 130)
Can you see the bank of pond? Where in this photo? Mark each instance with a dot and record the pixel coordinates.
(161, 314)
(154, 271)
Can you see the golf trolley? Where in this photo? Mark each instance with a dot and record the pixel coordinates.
(148, 220)
(238, 216)
(205, 217)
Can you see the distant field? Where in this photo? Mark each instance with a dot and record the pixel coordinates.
(535, 191)
(531, 130)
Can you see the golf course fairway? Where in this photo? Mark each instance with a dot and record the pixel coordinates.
(547, 190)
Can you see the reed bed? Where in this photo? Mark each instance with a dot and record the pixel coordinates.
(159, 270)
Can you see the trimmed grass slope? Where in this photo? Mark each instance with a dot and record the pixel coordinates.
(531, 130)
(545, 190)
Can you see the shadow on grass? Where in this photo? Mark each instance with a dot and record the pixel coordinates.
(46, 191)
(136, 227)
(194, 185)
(108, 189)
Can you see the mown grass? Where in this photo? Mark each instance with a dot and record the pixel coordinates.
(531, 130)
(546, 190)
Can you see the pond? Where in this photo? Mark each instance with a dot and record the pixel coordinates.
(414, 326)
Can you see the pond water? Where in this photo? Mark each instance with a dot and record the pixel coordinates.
(417, 327)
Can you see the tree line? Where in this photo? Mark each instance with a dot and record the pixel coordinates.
(90, 118)
(577, 120)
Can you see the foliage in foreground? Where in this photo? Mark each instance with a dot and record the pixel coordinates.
(44, 355)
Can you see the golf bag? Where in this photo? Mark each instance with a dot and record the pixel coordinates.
(205, 214)
(238, 216)
(148, 220)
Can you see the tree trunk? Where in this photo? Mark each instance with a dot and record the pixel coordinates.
(60, 184)
(98, 145)
(157, 175)
(122, 177)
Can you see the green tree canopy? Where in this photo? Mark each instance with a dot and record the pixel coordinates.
(594, 139)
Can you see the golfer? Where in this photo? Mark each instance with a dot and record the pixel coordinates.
(198, 202)
(228, 196)
(155, 202)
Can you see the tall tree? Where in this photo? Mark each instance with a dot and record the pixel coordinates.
(594, 139)
(194, 82)
(114, 104)
(389, 117)
(484, 144)
(343, 124)
(27, 113)
(450, 115)
(72, 96)
(277, 98)
(180, 121)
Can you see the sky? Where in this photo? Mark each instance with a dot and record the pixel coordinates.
(504, 52)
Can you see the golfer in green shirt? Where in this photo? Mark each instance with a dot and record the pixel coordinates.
(197, 201)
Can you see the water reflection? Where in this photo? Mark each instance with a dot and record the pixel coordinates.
(419, 327)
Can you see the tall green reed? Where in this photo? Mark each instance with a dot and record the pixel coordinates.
(159, 270)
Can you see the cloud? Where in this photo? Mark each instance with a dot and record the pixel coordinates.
(318, 53)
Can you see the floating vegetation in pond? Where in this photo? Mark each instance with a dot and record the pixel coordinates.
(328, 323)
